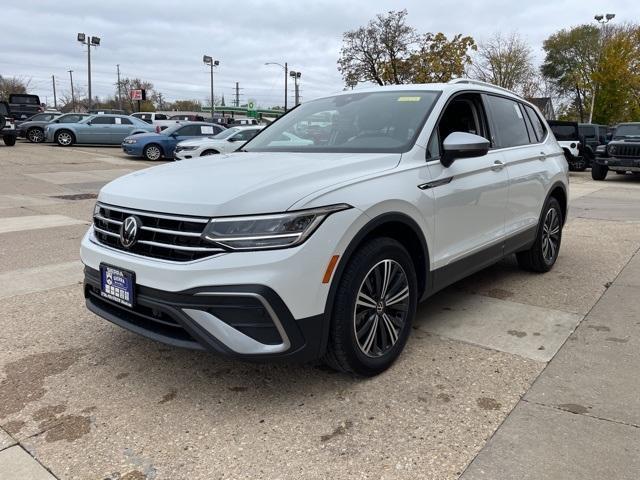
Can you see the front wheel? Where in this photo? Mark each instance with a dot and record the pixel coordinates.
(599, 172)
(209, 152)
(152, 152)
(35, 135)
(544, 252)
(374, 307)
(64, 138)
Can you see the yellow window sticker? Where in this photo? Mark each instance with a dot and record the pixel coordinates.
(409, 99)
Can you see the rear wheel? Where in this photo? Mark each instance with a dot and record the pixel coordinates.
(373, 310)
(35, 135)
(598, 171)
(544, 252)
(9, 141)
(152, 152)
(64, 138)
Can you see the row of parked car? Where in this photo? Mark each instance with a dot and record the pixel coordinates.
(149, 135)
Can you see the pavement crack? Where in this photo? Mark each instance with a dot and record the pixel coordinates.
(585, 414)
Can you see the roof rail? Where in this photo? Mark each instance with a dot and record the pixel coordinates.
(479, 82)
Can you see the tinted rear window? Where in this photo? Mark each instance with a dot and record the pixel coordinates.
(511, 129)
(29, 99)
(564, 132)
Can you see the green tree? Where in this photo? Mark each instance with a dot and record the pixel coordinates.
(388, 51)
(9, 85)
(127, 85)
(571, 57)
(186, 106)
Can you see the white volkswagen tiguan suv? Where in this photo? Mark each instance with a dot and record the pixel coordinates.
(323, 250)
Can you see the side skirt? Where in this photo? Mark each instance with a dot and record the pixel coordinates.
(455, 271)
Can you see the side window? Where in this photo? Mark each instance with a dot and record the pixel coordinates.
(207, 130)
(161, 116)
(70, 119)
(433, 149)
(189, 131)
(511, 130)
(538, 127)
(103, 121)
(123, 121)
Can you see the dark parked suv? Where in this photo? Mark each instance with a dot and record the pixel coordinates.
(23, 106)
(592, 136)
(621, 154)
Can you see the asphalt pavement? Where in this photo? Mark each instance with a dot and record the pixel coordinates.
(507, 374)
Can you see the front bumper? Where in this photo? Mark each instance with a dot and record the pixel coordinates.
(621, 164)
(132, 149)
(241, 321)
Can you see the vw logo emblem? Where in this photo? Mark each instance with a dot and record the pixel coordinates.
(129, 231)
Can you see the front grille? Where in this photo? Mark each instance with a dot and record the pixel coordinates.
(163, 236)
(627, 151)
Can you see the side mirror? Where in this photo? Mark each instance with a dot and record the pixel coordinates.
(463, 145)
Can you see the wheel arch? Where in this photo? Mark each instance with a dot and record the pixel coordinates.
(396, 225)
(559, 191)
(150, 144)
(65, 129)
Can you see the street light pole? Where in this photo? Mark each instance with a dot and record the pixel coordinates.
(212, 63)
(89, 42)
(119, 94)
(602, 20)
(286, 77)
(296, 76)
(73, 98)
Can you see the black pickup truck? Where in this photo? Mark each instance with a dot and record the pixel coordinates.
(8, 130)
(24, 106)
(621, 154)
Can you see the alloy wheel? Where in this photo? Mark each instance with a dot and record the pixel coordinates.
(64, 138)
(381, 308)
(550, 235)
(153, 152)
(36, 135)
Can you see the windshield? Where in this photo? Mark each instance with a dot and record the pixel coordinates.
(225, 133)
(384, 121)
(172, 128)
(627, 131)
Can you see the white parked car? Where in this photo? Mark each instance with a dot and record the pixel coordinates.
(161, 120)
(324, 249)
(226, 141)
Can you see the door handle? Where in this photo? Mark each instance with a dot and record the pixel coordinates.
(543, 156)
(497, 166)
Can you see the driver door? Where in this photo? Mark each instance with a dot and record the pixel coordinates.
(470, 195)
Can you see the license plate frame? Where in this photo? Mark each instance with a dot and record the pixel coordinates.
(117, 285)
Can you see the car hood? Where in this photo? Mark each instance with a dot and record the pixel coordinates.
(148, 135)
(240, 183)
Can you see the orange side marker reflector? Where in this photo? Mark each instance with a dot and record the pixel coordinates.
(332, 264)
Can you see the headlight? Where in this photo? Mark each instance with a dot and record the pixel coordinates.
(129, 141)
(181, 148)
(601, 149)
(259, 232)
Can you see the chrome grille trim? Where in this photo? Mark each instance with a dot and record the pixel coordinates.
(175, 238)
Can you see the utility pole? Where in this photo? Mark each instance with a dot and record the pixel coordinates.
(55, 101)
(286, 76)
(73, 98)
(237, 100)
(159, 101)
(119, 93)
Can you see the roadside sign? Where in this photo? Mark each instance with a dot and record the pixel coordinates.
(251, 108)
(136, 94)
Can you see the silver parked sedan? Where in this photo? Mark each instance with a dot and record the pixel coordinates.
(102, 129)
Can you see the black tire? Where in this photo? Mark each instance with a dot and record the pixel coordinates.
(64, 138)
(543, 255)
(3, 122)
(381, 346)
(598, 171)
(152, 152)
(35, 135)
(9, 140)
(209, 152)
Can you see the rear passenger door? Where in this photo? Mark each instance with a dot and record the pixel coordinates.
(519, 135)
(121, 129)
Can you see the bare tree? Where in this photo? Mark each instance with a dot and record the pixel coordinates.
(505, 61)
(9, 85)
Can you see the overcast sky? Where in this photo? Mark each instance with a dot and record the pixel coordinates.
(163, 41)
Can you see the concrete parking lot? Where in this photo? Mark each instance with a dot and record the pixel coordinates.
(507, 375)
